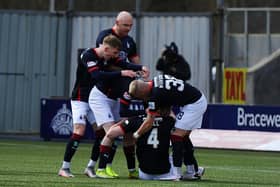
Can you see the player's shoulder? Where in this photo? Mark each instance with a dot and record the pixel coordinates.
(88, 53)
(105, 32)
(128, 38)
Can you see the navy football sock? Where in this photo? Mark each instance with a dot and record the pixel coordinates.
(71, 147)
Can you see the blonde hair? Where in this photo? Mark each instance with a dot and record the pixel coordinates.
(113, 42)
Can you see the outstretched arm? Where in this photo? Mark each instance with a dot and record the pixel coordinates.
(146, 125)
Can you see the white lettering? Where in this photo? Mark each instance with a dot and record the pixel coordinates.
(263, 119)
(240, 117)
(277, 124)
(256, 119)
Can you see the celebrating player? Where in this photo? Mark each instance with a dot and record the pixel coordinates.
(172, 63)
(165, 91)
(128, 52)
(102, 99)
(81, 113)
(121, 28)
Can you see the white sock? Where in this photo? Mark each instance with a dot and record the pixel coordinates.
(91, 164)
(190, 169)
(65, 165)
(171, 159)
(177, 171)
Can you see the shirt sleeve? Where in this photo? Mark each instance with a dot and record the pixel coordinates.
(128, 65)
(93, 67)
(133, 51)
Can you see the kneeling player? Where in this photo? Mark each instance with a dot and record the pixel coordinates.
(152, 148)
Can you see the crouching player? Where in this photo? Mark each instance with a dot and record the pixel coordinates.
(152, 148)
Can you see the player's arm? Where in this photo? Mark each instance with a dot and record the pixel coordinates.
(146, 126)
(127, 65)
(134, 67)
(97, 74)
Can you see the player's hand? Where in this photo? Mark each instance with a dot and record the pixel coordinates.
(135, 135)
(146, 72)
(128, 73)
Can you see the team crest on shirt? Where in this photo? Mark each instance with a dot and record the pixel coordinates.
(152, 105)
(122, 55)
(62, 122)
(91, 63)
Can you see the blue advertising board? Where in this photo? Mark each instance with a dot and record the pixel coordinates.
(242, 117)
(56, 120)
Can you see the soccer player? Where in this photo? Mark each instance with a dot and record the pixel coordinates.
(81, 113)
(128, 52)
(172, 63)
(152, 148)
(121, 28)
(165, 91)
(102, 99)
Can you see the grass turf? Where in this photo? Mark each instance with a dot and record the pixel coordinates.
(36, 163)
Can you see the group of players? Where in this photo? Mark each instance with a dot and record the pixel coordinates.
(113, 93)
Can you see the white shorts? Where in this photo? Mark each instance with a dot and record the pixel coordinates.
(105, 109)
(166, 176)
(81, 113)
(191, 115)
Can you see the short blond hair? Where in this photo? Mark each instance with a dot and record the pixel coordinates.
(113, 42)
(139, 89)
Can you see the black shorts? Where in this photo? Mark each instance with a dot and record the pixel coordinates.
(132, 124)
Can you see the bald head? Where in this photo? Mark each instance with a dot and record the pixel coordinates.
(124, 15)
(123, 24)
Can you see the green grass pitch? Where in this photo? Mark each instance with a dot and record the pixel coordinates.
(36, 163)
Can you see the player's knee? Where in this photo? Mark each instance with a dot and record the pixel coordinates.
(79, 129)
(110, 136)
(114, 132)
